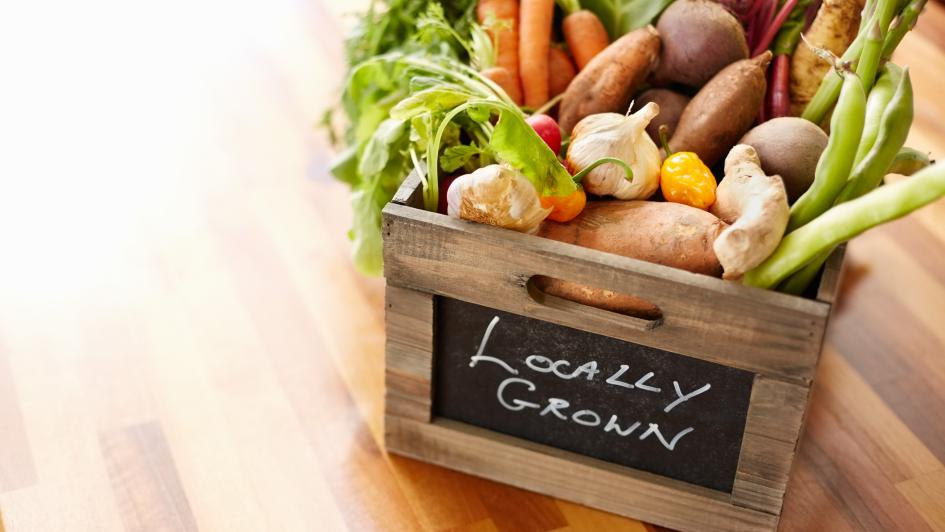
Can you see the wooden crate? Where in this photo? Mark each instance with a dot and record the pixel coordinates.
(776, 337)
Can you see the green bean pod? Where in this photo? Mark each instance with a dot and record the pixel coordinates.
(869, 58)
(830, 87)
(893, 130)
(835, 162)
(847, 220)
(909, 161)
(876, 103)
(902, 25)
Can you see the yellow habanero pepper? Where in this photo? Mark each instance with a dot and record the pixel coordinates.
(684, 178)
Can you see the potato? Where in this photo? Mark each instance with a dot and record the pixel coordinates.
(671, 234)
(671, 105)
(723, 110)
(606, 84)
(700, 38)
(789, 147)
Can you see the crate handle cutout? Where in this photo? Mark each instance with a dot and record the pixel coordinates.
(647, 318)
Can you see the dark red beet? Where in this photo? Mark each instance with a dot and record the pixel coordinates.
(444, 187)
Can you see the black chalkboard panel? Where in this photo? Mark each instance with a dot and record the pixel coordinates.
(590, 394)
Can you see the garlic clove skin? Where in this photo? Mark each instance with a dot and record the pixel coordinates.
(624, 137)
(496, 195)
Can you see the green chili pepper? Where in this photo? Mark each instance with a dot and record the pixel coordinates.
(835, 162)
(847, 220)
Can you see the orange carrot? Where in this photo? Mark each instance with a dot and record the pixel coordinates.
(500, 17)
(503, 78)
(535, 18)
(560, 71)
(586, 36)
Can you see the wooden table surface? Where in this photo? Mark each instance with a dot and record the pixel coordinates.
(185, 345)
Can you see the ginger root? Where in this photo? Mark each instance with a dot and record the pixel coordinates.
(755, 205)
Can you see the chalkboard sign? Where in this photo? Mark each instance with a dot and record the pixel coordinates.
(617, 401)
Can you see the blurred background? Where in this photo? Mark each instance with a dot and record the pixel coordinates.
(184, 343)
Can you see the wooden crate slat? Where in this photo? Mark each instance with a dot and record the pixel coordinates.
(706, 318)
(776, 409)
(764, 467)
(561, 474)
(409, 353)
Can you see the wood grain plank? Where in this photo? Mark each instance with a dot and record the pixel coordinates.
(554, 472)
(584, 518)
(143, 475)
(927, 495)
(895, 450)
(812, 501)
(353, 463)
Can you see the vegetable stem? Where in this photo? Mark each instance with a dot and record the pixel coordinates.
(603, 160)
(772, 30)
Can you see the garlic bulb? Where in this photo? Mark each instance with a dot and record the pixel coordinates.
(497, 195)
(624, 137)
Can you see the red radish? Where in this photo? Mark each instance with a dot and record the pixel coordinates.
(547, 129)
(444, 189)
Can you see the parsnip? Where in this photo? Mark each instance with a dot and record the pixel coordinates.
(834, 29)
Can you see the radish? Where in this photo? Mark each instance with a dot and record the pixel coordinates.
(547, 129)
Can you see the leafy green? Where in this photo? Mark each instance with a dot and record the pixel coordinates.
(623, 16)
(518, 145)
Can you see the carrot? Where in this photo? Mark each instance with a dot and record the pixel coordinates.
(535, 17)
(560, 71)
(586, 36)
(500, 17)
(506, 80)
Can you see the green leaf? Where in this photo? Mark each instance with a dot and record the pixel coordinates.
(377, 151)
(345, 166)
(515, 143)
(623, 16)
(433, 100)
(455, 157)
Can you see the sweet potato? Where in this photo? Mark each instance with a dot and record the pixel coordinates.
(700, 38)
(834, 28)
(671, 234)
(723, 110)
(607, 83)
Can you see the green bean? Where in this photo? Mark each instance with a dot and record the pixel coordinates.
(835, 162)
(875, 105)
(829, 90)
(901, 25)
(909, 161)
(801, 279)
(847, 220)
(893, 127)
(893, 130)
(869, 58)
